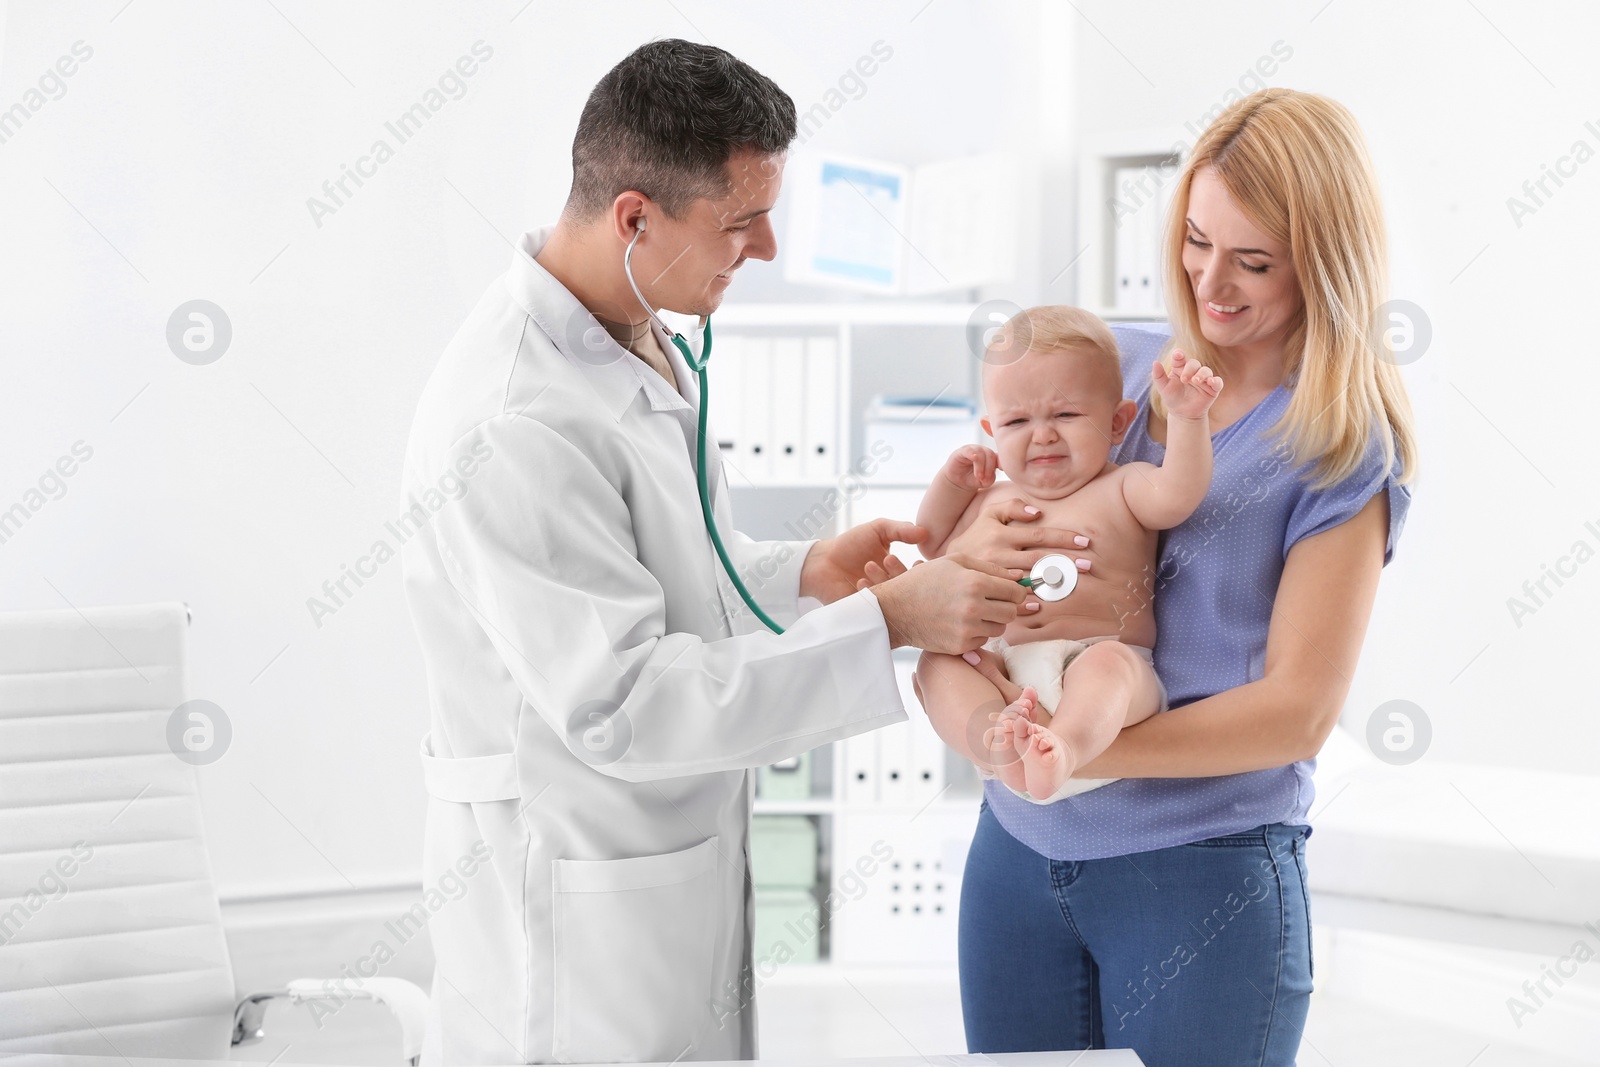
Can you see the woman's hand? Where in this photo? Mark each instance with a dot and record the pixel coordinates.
(989, 664)
(961, 713)
(1001, 534)
(993, 667)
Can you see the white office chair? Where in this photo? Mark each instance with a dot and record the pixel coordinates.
(111, 940)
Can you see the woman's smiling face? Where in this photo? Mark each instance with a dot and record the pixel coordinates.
(1243, 282)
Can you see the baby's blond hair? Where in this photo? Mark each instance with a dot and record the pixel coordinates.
(1055, 328)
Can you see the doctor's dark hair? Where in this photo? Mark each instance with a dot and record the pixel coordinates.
(665, 121)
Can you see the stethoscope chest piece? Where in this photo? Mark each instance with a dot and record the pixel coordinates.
(1054, 576)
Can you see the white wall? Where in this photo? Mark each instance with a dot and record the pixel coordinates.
(177, 165)
(1460, 106)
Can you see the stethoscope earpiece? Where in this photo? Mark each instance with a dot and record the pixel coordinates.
(677, 339)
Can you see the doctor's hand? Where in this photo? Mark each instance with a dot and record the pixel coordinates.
(836, 567)
(1002, 535)
(952, 604)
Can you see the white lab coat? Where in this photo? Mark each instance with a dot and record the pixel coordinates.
(594, 716)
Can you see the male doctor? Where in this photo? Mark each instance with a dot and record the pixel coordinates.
(598, 693)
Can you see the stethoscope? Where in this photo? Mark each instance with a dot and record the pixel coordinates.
(699, 368)
(1052, 578)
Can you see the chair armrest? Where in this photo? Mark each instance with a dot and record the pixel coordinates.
(405, 1000)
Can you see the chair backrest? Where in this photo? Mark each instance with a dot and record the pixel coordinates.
(111, 939)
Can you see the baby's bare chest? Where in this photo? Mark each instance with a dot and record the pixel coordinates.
(1096, 511)
(1111, 597)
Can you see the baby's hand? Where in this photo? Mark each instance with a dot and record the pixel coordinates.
(1189, 389)
(972, 467)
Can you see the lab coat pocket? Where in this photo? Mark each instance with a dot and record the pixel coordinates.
(634, 944)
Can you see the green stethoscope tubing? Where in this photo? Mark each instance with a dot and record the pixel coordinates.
(699, 368)
(1034, 582)
(703, 477)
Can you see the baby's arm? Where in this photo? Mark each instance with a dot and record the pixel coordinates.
(1162, 497)
(969, 470)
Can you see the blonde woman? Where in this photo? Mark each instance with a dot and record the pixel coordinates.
(1167, 912)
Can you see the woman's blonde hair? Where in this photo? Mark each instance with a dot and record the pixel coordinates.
(1297, 166)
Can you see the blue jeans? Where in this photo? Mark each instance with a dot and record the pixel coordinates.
(1196, 955)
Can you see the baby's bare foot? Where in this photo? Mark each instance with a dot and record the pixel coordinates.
(1025, 706)
(1008, 740)
(1047, 762)
(1006, 758)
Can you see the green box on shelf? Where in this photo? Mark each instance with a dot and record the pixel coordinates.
(783, 851)
(787, 926)
(787, 780)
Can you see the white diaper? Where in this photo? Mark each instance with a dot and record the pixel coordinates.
(1040, 664)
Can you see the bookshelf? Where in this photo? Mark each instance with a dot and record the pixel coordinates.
(1107, 207)
(887, 874)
